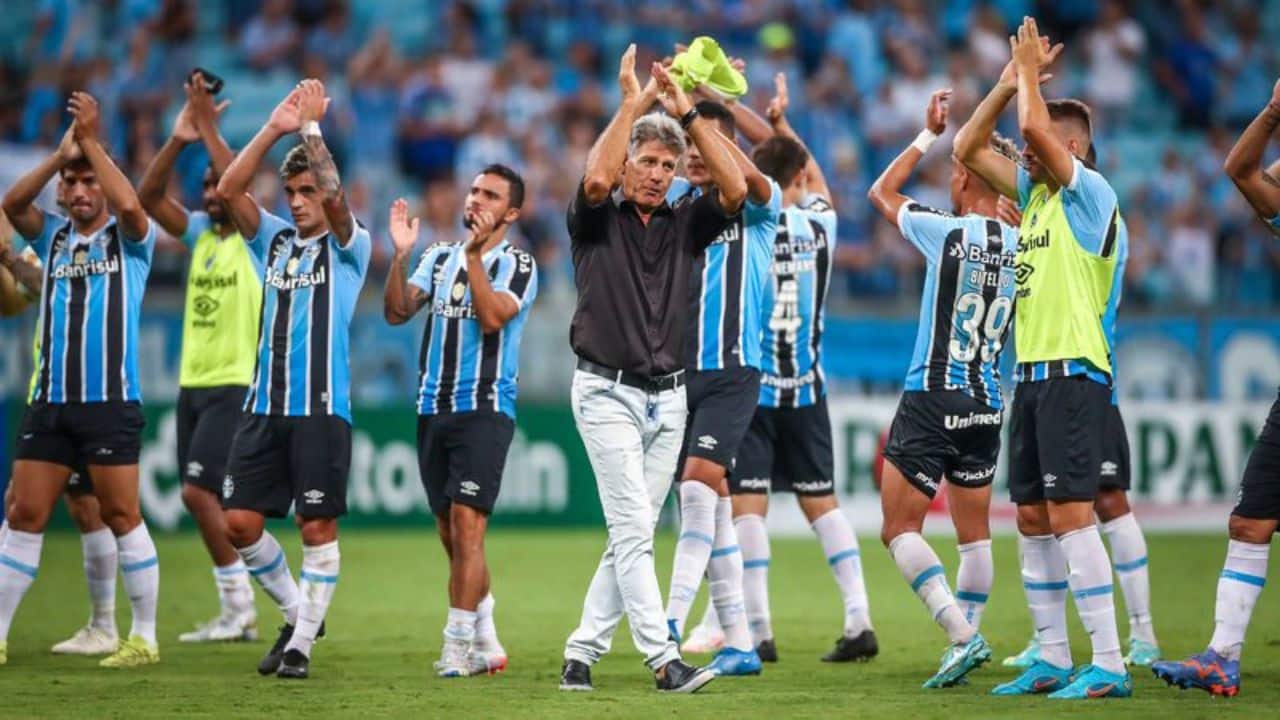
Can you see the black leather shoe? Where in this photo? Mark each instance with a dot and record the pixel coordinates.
(856, 649)
(294, 666)
(767, 651)
(575, 676)
(681, 677)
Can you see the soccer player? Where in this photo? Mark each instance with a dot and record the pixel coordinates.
(21, 281)
(1257, 513)
(722, 359)
(292, 445)
(220, 327)
(84, 407)
(480, 292)
(633, 254)
(788, 444)
(948, 422)
(1068, 292)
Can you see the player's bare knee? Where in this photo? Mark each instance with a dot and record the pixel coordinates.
(244, 528)
(1034, 520)
(750, 504)
(121, 520)
(892, 528)
(199, 501)
(25, 515)
(85, 513)
(317, 531)
(1251, 530)
(1111, 504)
(815, 506)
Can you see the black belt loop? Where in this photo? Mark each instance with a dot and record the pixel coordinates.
(656, 383)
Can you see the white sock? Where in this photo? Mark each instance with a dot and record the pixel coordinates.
(724, 579)
(1044, 580)
(141, 570)
(235, 594)
(753, 537)
(101, 560)
(923, 571)
(460, 626)
(1243, 575)
(268, 565)
(1129, 558)
(319, 579)
(486, 629)
(1090, 579)
(693, 549)
(710, 620)
(19, 560)
(973, 580)
(840, 546)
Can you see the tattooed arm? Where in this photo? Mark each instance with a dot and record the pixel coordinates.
(313, 104)
(1244, 162)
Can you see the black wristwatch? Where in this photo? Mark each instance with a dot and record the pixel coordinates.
(689, 117)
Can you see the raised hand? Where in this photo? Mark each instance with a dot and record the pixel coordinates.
(200, 107)
(776, 112)
(672, 96)
(404, 230)
(68, 149)
(1030, 49)
(184, 126)
(1007, 212)
(627, 80)
(88, 120)
(287, 118)
(935, 116)
(482, 225)
(312, 102)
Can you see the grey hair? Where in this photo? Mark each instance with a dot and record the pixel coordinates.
(656, 126)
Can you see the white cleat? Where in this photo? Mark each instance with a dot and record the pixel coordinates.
(227, 627)
(454, 659)
(487, 661)
(701, 640)
(88, 640)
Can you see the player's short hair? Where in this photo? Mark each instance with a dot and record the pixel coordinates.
(295, 162)
(80, 164)
(781, 158)
(656, 126)
(718, 112)
(515, 183)
(1072, 110)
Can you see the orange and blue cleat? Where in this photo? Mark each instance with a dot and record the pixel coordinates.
(1207, 671)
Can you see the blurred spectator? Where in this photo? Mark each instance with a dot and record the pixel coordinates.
(1188, 70)
(1189, 256)
(989, 43)
(333, 39)
(270, 38)
(429, 123)
(1113, 49)
(488, 142)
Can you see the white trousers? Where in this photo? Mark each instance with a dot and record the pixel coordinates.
(633, 440)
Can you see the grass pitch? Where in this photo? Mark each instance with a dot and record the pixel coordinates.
(384, 632)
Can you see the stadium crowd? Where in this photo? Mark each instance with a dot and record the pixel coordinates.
(426, 93)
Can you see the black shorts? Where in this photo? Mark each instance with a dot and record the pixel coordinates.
(944, 434)
(275, 461)
(207, 419)
(1057, 435)
(1114, 472)
(80, 434)
(786, 450)
(1259, 497)
(461, 457)
(721, 405)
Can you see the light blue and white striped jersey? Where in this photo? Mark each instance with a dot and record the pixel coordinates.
(462, 369)
(791, 348)
(89, 306)
(967, 307)
(1092, 211)
(309, 293)
(728, 284)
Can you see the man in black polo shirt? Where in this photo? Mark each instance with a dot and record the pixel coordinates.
(632, 256)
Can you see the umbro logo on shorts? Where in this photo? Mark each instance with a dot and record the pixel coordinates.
(194, 469)
(469, 487)
(228, 487)
(707, 442)
(1050, 480)
(314, 497)
(1109, 468)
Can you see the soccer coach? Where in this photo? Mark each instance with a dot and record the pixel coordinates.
(633, 254)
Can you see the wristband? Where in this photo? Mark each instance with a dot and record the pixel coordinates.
(311, 127)
(688, 118)
(924, 140)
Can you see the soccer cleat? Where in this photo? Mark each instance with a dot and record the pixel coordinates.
(1025, 659)
(1092, 681)
(1207, 671)
(88, 640)
(958, 661)
(227, 627)
(767, 651)
(1141, 653)
(486, 663)
(294, 666)
(681, 677)
(575, 676)
(855, 649)
(133, 652)
(1041, 677)
(731, 661)
(702, 639)
(270, 662)
(454, 659)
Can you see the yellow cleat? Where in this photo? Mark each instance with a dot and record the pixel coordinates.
(133, 652)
